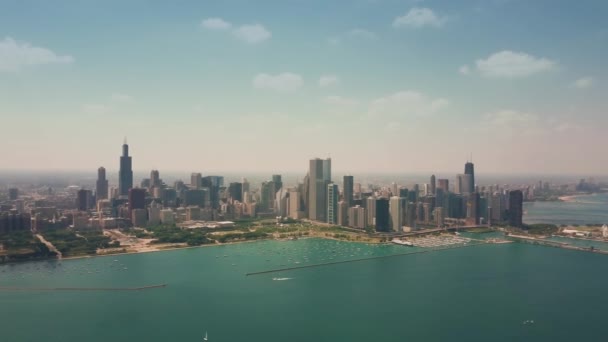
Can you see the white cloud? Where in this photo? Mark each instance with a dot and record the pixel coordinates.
(509, 64)
(464, 70)
(284, 82)
(418, 18)
(584, 82)
(121, 97)
(508, 118)
(407, 103)
(216, 24)
(328, 80)
(252, 34)
(335, 100)
(15, 55)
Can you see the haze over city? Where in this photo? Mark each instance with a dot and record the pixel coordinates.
(399, 86)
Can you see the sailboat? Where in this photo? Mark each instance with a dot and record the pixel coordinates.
(205, 338)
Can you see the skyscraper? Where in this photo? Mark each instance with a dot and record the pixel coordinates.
(347, 189)
(101, 189)
(125, 174)
(319, 177)
(464, 184)
(443, 184)
(332, 203)
(396, 205)
(137, 199)
(154, 178)
(473, 209)
(433, 185)
(469, 169)
(84, 200)
(235, 190)
(267, 196)
(516, 210)
(278, 183)
(196, 180)
(382, 215)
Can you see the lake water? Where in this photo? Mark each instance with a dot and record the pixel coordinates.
(585, 209)
(478, 293)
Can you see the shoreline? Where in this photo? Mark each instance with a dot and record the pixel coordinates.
(75, 257)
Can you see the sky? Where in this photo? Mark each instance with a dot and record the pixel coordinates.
(256, 86)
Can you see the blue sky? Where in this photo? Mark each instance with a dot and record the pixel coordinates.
(379, 85)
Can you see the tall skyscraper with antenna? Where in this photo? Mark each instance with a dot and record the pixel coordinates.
(469, 169)
(125, 174)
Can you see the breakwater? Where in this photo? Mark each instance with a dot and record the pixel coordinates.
(41, 289)
(362, 259)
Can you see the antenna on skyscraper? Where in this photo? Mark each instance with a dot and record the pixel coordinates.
(125, 140)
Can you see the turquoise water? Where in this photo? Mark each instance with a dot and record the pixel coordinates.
(586, 209)
(479, 293)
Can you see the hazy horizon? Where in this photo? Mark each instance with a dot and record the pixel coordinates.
(380, 86)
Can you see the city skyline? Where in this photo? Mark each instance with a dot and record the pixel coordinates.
(410, 86)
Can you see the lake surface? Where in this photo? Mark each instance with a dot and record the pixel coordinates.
(477, 293)
(585, 209)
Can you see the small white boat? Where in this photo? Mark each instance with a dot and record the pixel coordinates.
(205, 338)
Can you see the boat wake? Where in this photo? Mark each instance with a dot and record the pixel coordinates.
(281, 279)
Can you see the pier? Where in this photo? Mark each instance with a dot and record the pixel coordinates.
(41, 289)
(363, 259)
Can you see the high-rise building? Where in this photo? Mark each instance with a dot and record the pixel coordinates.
(342, 214)
(101, 189)
(295, 205)
(433, 185)
(396, 205)
(137, 199)
(382, 215)
(196, 197)
(357, 217)
(267, 196)
(443, 184)
(469, 169)
(84, 200)
(464, 184)
(516, 203)
(370, 206)
(245, 189)
(319, 177)
(125, 174)
(154, 213)
(347, 189)
(196, 180)
(499, 207)
(473, 209)
(439, 216)
(278, 182)
(332, 203)
(154, 178)
(235, 191)
(410, 216)
(280, 203)
(139, 217)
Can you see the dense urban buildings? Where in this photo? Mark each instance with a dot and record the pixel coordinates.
(384, 208)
